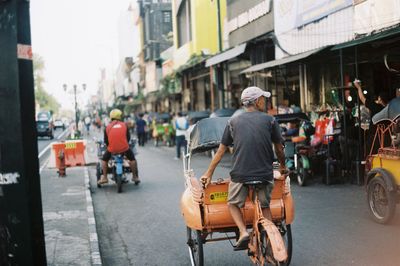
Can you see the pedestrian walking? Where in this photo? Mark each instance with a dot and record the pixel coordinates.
(181, 125)
(141, 130)
(87, 121)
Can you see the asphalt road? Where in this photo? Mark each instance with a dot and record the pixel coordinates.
(143, 225)
(44, 142)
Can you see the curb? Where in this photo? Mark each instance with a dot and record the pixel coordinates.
(94, 240)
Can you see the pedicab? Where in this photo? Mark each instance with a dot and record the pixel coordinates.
(195, 116)
(225, 112)
(383, 172)
(207, 217)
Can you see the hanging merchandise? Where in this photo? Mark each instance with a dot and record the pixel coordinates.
(330, 126)
(365, 117)
(320, 129)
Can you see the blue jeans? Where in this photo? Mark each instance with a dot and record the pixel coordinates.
(180, 142)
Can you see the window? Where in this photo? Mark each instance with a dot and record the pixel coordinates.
(183, 20)
(167, 17)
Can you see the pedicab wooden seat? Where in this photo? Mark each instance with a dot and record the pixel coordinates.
(207, 209)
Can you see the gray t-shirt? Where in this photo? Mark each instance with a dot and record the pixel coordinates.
(252, 135)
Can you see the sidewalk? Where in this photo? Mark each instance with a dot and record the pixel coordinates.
(69, 224)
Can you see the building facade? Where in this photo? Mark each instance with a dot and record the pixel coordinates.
(195, 39)
(156, 37)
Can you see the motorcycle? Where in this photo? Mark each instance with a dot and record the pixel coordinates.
(118, 165)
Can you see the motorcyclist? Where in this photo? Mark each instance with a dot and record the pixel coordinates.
(116, 137)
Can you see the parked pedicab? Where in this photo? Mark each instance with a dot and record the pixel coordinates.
(224, 112)
(195, 116)
(383, 169)
(205, 210)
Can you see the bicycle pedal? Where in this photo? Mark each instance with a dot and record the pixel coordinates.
(240, 248)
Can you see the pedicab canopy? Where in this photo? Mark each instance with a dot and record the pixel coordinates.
(390, 113)
(207, 134)
(226, 112)
(285, 118)
(195, 116)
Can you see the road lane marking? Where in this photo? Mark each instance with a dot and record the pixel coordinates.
(44, 150)
(44, 165)
(62, 134)
(49, 146)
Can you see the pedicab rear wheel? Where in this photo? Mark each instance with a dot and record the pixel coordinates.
(286, 231)
(195, 243)
(266, 249)
(381, 201)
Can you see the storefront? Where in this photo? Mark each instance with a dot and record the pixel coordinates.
(375, 60)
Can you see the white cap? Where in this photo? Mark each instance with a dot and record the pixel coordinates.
(251, 94)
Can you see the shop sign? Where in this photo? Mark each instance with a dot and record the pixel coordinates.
(167, 68)
(151, 76)
(290, 14)
(24, 52)
(249, 16)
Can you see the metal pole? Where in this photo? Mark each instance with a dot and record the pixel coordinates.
(359, 152)
(220, 71)
(21, 217)
(219, 26)
(346, 151)
(76, 110)
(212, 88)
(276, 92)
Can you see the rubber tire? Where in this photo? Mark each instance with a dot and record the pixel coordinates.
(264, 241)
(301, 173)
(288, 243)
(98, 173)
(118, 180)
(287, 238)
(198, 257)
(390, 196)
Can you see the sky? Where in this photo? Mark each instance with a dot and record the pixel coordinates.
(76, 38)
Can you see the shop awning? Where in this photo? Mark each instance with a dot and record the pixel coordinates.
(224, 56)
(370, 38)
(282, 61)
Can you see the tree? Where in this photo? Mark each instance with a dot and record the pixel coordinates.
(45, 100)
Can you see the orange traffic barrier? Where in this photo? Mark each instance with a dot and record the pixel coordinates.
(74, 153)
(56, 149)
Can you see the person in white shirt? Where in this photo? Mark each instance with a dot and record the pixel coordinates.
(181, 125)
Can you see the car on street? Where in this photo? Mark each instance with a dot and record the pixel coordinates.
(59, 124)
(44, 125)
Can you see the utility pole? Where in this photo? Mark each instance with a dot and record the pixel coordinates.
(219, 26)
(220, 69)
(21, 222)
